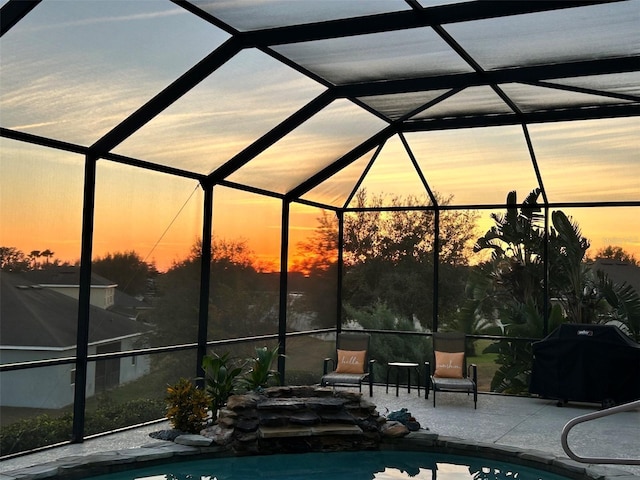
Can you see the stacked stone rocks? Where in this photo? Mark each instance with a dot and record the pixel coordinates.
(300, 419)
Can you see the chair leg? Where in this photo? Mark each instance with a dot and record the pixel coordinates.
(427, 381)
(434, 398)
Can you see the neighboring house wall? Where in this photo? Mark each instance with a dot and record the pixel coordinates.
(53, 387)
(44, 387)
(101, 297)
(132, 368)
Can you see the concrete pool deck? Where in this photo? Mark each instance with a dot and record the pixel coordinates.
(528, 425)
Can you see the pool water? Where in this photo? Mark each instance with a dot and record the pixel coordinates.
(368, 465)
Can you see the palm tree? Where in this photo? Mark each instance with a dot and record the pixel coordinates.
(33, 256)
(625, 305)
(47, 254)
(517, 242)
(568, 273)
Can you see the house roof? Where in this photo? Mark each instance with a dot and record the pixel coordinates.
(38, 317)
(619, 272)
(64, 276)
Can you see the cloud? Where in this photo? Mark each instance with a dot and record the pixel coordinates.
(83, 22)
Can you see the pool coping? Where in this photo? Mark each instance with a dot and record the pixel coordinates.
(81, 466)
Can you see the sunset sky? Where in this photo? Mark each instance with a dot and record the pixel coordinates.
(74, 70)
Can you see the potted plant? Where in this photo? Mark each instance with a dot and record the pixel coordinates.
(220, 376)
(187, 406)
(260, 373)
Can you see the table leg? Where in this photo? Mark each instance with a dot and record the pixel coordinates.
(388, 370)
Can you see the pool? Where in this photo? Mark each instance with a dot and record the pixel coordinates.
(363, 465)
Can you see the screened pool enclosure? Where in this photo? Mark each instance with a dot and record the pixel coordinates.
(188, 177)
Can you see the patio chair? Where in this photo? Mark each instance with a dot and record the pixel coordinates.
(352, 364)
(450, 372)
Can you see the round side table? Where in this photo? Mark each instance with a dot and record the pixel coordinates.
(408, 366)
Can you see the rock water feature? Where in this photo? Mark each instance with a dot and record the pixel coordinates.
(297, 419)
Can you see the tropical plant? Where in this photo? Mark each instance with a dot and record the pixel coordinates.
(516, 242)
(515, 357)
(187, 406)
(503, 295)
(508, 290)
(625, 305)
(260, 374)
(220, 376)
(568, 273)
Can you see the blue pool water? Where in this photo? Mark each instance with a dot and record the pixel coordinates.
(379, 465)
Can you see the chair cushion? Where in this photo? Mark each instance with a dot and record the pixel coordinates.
(453, 384)
(342, 379)
(351, 361)
(449, 365)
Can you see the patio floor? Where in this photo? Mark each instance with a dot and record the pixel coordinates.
(528, 423)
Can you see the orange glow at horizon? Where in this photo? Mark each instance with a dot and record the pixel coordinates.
(50, 218)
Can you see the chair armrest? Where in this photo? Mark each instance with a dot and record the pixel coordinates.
(370, 370)
(472, 371)
(325, 366)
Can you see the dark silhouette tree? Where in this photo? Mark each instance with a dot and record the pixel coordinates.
(127, 269)
(617, 254)
(389, 255)
(13, 260)
(242, 301)
(316, 261)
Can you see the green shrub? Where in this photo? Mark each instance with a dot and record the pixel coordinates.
(111, 415)
(47, 429)
(35, 432)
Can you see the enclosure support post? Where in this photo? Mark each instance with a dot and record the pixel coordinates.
(340, 215)
(545, 263)
(436, 263)
(84, 300)
(545, 247)
(205, 280)
(284, 277)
